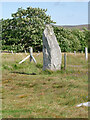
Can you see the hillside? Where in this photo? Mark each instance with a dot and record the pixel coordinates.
(73, 27)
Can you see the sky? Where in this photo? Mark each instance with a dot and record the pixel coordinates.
(63, 13)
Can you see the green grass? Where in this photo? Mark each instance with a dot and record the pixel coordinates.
(46, 94)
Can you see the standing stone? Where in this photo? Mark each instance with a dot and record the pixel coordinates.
(51, 51)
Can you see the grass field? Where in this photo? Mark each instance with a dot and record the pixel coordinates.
(46, 94)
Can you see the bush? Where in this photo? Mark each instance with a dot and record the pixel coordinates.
(71, 40)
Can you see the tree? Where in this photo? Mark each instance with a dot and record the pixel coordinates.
(25, 29)
(82, 37)
(67, 40)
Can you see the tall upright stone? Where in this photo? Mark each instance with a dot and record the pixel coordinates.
(51, 51)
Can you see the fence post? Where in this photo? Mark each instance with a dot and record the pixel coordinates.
(11, 51)
(74, 52)
(25, 52)
(82, 52)
(86, 53)
(65, 59)
(31, 53)
(29, 56)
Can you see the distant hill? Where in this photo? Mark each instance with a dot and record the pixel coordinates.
(73, 27)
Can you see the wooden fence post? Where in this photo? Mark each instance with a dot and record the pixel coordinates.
(11, 51)
(31, 53)
(82, 52)
(25, 52)
(86, 53)
(24, 59)
(65, 60)
(74, 52)
(29, 56)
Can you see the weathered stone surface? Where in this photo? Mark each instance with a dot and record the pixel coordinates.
(51, 50)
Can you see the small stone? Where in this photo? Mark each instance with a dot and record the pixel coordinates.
(87, 104)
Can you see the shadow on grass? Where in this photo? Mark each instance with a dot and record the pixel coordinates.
(24, 73)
